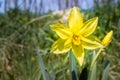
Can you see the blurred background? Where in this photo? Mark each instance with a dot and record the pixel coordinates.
(24, 24)
(44, 6)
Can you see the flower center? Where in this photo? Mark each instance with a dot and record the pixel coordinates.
(76, 39)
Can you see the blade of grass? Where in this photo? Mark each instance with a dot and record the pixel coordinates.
(41, 64)
(53, 71)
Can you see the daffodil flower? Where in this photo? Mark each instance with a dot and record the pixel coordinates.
(77, 35)
(107, 39)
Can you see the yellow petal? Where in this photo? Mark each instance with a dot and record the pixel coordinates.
(62, 30)
(75, 20)
(91, 43)
(67, 42)
(107, 38)
(78, 52)
(89, 27)
(60, 47)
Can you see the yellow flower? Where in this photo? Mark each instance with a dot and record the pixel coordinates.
(76, 35)
(107, 39)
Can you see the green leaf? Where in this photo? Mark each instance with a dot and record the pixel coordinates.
(93, 70)
(73, 66)
(93, 73)
(46, 75)
(106, 72)
(53, 72)
(84, 74)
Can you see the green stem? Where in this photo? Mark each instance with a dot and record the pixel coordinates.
(95, 59)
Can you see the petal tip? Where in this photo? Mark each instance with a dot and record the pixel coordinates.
(75, 7)
(111, 32)
(96, 18)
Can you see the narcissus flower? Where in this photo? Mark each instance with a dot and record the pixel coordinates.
(107, 39)
(76, 35)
